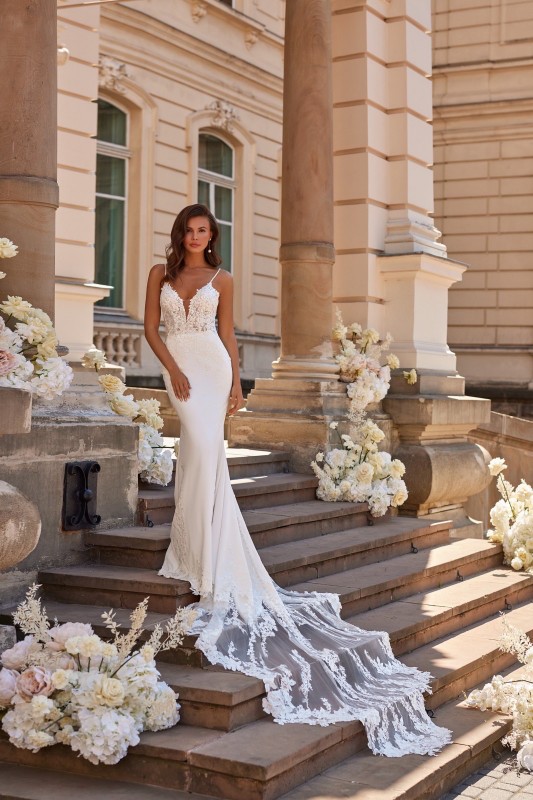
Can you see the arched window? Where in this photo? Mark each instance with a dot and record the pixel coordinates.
(111, 192)
(216, 189)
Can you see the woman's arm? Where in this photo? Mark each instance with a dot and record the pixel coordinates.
(152, 318)
(226, 331)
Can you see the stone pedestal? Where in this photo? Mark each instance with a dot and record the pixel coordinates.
(443, 469)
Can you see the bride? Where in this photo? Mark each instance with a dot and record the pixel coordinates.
(316, 668)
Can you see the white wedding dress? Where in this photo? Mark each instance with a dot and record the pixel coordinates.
(316, 668)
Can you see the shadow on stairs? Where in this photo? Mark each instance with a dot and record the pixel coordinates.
(438, 598)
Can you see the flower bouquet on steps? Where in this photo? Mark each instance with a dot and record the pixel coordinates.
(28, 345)
(513, 697)
(357, 471)
(64, 684)
(512, 519)
(155, 460)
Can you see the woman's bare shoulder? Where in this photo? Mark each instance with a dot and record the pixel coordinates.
(223, 278)
(159, 270)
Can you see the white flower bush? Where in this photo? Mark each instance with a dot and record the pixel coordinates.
(154, 459)
(28, 345)
(358, 472)
(64, 684)
(512, 519)
(514, 698)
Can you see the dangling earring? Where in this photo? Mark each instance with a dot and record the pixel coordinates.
(209, 246)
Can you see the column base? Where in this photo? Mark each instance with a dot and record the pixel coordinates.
(295, 415)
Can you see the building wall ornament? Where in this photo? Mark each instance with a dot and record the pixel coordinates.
(250, 37)
(198, 10)
(223, 114)
(111, 74)
(63, 55)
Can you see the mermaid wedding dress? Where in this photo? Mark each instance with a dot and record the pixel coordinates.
(316, 668)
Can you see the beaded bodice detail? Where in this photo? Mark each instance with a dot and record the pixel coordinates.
(200, 316)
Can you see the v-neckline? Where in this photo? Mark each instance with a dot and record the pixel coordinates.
(186, 310)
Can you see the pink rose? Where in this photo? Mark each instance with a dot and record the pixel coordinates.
(34, 681)
(8, 686)
(7, 362)
(18, 655)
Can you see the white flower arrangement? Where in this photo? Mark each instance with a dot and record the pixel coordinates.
(64, 684)
(155, 460)
(512, 697)
(512, 519)
(359, 359)
(28, 345)
(358, 472)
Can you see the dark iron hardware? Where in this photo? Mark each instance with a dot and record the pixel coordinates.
(459, 577)
(149, 522)
(79, 495)
(413, 548)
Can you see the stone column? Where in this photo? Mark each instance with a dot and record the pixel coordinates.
(307, 252)
(292, 410)
(28, 133)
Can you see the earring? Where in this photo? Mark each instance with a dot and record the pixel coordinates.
(209, 246)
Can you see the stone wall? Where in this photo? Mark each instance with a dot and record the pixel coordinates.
(483, 124)
(509, 438)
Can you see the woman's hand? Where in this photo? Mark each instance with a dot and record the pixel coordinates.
(236, 400)
(180, 384)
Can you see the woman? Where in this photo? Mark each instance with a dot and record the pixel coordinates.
(316, 668)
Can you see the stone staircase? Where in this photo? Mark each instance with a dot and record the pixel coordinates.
(438, 598)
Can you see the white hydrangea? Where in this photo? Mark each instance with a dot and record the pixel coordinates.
(52, 377)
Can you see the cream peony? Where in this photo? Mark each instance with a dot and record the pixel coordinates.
(8, 686)
(16, 307)
(61, 633)
(33, 681)
(18, 655)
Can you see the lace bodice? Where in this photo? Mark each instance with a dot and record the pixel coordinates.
(202, 310)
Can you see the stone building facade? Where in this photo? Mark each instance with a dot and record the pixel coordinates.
(483, 123)
(161, 104)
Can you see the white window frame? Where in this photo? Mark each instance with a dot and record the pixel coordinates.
(216, 179)
(123, 152)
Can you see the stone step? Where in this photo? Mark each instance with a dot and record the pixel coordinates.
(364, 776)
(244, 462)
(373, 585)
(360, 588)
(468, 657)
(287, 562)
(421, 618)
(29, 783)
(259, 761)
(156, 503)
(286, 522)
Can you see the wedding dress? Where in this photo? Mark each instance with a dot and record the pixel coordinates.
(316, 668)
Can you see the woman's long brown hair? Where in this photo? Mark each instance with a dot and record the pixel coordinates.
(176, 252)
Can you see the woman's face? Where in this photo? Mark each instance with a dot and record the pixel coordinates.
(197, 234)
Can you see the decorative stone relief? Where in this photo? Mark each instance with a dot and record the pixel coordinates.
(223, 114)
(111, 74)
(250, 37)
(198, 10)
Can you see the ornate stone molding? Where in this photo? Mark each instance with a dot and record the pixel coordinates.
(198, 10)
(111, 73)
(223, 114)
(250, 37)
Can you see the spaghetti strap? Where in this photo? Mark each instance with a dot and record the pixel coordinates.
(214, 276)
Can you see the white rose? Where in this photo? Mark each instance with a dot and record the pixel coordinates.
(319, 457)
(61, 678)
(333, 425)
(16, 307)
(516, 564)
(397, 468)
(7, 248)
(112, 384)
(94, 359)
(2, 275)
(109, 692)
(124, 405)
(524, 756)
(90, 646)
(496, 466)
